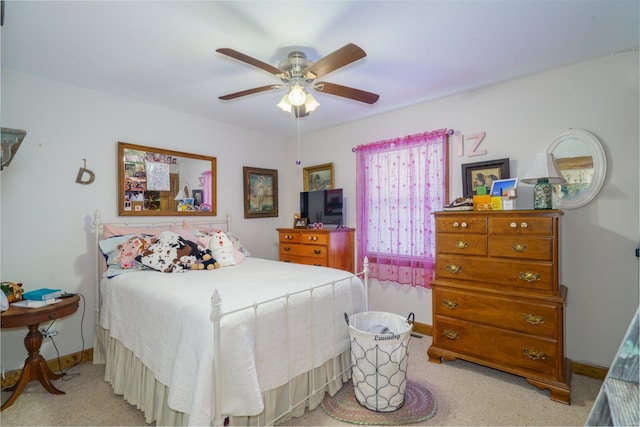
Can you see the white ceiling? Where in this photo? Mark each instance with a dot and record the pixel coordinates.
(163, 52)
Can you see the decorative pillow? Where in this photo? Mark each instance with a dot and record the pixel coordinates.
(110, 230)
(237, 245)
(169, 253)
(120, 253)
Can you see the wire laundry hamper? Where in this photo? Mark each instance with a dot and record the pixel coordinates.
(379, 358)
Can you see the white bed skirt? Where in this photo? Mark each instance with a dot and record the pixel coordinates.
(130, 378)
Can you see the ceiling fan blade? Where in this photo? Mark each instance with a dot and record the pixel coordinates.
(249, 92)
(341, 57)
(249, 60)
(347, 92)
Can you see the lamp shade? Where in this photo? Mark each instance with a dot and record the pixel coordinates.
(544, 167)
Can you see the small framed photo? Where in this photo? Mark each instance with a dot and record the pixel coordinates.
(300, 223)
(198, 197)
(260, 192)
(318, 177)
(502, 187)
(481, 174)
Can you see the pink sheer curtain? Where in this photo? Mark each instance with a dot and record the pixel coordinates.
(399, 183)
(206, 186)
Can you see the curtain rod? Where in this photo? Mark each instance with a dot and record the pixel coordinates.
(449, 133)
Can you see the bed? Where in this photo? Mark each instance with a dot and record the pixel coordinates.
(252, 342)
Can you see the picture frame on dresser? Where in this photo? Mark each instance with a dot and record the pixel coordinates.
(300, 223)
(260, 192)
(318, 177)
(483, 173)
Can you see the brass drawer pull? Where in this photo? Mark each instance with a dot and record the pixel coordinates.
(533, 319)
(534, 355)
(287, 248)
(461, 245)
(519, 247)
(524, 225)
(454, 269)
(528, 276)
(317, 251)
(463, 224)
(288, 236)
(451, 334)
(515, 225)
(449, 304)
(313, 238)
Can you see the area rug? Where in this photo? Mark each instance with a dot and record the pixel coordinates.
(419, 405)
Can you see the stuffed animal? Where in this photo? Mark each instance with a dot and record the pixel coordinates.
(13, 291)
(205, 261)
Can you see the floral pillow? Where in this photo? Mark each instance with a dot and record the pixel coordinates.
(120, 253)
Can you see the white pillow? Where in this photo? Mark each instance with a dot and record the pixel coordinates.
(222, 248)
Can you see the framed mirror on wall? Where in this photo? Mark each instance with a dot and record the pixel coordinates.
(582, 161)
(158, 182)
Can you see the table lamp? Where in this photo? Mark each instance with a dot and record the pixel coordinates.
(543, 173)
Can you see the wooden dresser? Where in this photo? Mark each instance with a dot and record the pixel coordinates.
(328, 248)
(497, 300)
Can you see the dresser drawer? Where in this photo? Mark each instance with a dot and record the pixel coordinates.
(498, 347)
(286, 237)
(530, 316)
(464, 244)
(304, 250)
(526, 276)
(314, 238)
(461, 224)
(321, 262)
(522, 247)
(538, 226)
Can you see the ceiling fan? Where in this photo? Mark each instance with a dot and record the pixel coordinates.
(298, 74)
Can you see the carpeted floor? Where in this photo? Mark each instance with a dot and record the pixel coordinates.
(466, 394)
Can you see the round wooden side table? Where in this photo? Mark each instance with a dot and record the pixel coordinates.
(35, 367)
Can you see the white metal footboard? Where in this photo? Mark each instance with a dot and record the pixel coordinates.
(217, 315)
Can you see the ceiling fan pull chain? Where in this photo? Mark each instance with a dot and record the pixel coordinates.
(298, 162)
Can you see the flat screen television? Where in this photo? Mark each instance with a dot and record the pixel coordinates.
(324, 206)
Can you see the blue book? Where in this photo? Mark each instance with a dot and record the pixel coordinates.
(42, 294)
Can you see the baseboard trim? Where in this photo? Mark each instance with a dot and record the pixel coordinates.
(591, 371)
(12, 377)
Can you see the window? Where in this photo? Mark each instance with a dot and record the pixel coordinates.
(400, 182)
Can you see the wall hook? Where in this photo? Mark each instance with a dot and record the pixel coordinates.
(82, 171)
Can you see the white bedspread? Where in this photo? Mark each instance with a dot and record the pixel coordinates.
(165, 320)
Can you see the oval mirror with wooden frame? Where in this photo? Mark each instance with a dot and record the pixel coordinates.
(158, 182)
(582, 161)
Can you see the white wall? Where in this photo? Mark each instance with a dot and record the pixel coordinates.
(520, 117)
(46, 217)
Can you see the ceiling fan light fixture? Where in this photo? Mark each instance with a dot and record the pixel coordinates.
(297, 95)
(310, 103)
(284, 104)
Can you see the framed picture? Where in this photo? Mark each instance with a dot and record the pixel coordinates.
(300, 223)
(198, 197)
(502, 187)
(260, 192)
(318, 177)
(479, 174)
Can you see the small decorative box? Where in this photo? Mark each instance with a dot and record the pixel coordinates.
(482, 203)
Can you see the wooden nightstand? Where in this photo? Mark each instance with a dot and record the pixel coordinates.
(35, 367)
